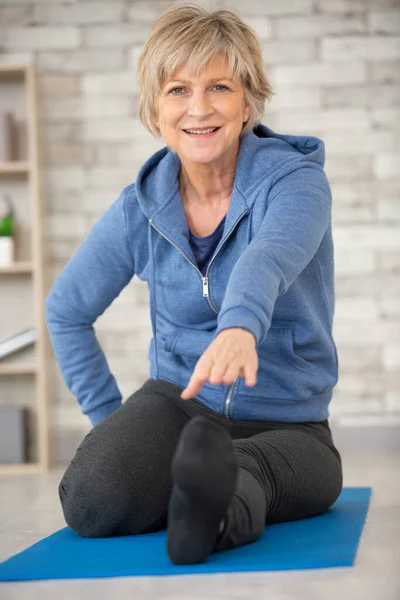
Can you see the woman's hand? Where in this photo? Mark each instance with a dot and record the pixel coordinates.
(232, 354)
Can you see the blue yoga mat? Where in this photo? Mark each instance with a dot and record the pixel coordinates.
(328, 540)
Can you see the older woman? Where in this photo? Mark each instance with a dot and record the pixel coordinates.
(230, 225)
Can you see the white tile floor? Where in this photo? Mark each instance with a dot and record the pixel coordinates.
(29, 511)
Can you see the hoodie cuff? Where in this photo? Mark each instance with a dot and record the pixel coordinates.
(104, 410)
(241, 317)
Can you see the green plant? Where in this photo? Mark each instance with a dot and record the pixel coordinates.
(7, 219)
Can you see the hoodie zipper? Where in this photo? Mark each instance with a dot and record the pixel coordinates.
(206, 289)
(205, 278)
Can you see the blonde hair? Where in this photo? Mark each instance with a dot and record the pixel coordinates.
(191, 35)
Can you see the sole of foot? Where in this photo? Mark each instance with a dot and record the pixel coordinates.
(204, 473)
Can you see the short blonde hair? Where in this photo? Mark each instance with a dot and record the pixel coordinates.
(191, 35)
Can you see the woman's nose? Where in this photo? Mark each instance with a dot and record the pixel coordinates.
(199, 104)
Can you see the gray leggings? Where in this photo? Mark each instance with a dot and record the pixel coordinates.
(119, 481)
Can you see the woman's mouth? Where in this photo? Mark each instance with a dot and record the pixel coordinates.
(207, 133)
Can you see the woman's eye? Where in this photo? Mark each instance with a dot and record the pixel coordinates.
(180, 88)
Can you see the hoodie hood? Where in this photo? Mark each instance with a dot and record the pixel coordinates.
(262, 152)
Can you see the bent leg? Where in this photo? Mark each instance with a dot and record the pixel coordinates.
(284, 475)
(119, 481)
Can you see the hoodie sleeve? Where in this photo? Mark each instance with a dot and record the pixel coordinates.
(297, 217)
(91, 280)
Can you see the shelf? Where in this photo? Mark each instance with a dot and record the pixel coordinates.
(17, 268)
(22, 283)
(18, 369)
(20, 468)
(14, 168)
(13, 72)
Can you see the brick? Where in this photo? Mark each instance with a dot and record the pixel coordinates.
(110, 84)
(101, 177)
(383, 22)
(382, 117)
(152, 9)
(385, 71)
(62, 250)
(381, 284)
(122, 34)
(361, 386)
(61, 132)
(110, 106)
(361, 95)
(344, 404)
(389, 211)
(347, 166)
(344, 213)
(98, 201)
(362, 420)
(360, 334)
(386, 165)
(356, 309)
(80, 61)
(276, 52)
(114, 153)
(261, 26)
(65, 226)
(353, 193)
(318, 73)
(17, 58)
(354, 359)
(389, 261)
(123, 318)
(63, 201)
(61, 154)
(59, 86)
(38, 38)
(389, 307)
(367, 237)
(318, 26)
(365, 142)
(292, 98)
(111, 129)
(62, 143)
(260, 7)
(16, 15)
(392, 401)
(63, 179)
(357, 262)
(79, 13)
(69, 109)
(391, 357)
(341, 6)
(310, 120)
(67, 416)
(349, 48)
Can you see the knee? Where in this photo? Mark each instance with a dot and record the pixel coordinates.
(90, 509)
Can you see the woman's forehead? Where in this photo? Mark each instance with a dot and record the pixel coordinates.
(216, 68)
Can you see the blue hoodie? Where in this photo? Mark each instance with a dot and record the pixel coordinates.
(272, 274)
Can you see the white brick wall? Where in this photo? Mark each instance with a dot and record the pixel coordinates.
(335, 68)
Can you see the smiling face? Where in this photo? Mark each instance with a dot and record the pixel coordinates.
(207, 100)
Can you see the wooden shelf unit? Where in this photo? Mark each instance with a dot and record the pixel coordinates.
(31, 270)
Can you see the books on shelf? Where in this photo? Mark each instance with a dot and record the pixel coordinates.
(17, 342)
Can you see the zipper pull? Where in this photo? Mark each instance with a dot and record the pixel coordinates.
(205, 287)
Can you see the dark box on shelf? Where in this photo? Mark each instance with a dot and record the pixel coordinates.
(12, 434)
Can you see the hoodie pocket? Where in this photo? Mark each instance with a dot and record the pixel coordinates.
(282, 373)
(292, 357)
(188, 342)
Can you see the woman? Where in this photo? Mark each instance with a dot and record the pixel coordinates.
(230, 225)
